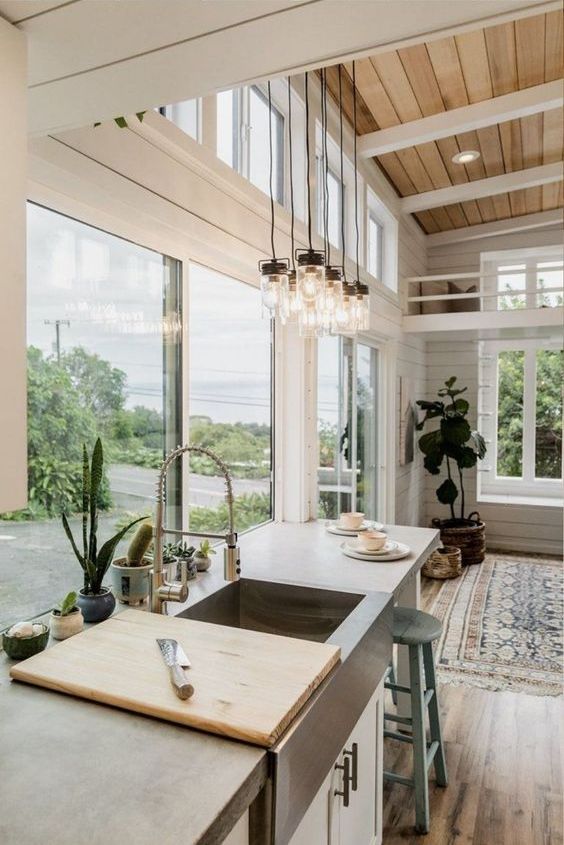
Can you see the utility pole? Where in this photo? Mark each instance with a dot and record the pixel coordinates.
(57, 324)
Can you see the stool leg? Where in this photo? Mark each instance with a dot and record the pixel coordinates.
(420, 781)
(439, 761)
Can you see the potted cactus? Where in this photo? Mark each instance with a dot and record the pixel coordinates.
(67, 618)
(131, 575)
(95, 601)
(202, 556)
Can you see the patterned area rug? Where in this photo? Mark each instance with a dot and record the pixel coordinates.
(502, 625)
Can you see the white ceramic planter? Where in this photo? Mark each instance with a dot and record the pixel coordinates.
(66, 626)
(130, 584)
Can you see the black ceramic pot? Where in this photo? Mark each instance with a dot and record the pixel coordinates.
(96, 608)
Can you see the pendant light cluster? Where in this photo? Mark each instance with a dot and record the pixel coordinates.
(315, 293)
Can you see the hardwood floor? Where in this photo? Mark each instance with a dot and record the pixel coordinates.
(504, 766)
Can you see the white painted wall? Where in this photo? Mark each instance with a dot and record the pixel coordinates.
(411, 364)
(512, 527)
(13, 165)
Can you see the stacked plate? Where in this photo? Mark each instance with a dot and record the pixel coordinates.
(333, 527)
(392, 550)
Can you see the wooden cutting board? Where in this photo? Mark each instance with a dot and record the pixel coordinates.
(248, 685)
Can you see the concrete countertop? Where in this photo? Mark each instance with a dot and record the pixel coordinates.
(75, 772)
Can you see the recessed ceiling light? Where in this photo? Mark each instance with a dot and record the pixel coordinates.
(466, 156)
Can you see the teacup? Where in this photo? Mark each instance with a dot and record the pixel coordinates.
(351, 521)
(372, 541)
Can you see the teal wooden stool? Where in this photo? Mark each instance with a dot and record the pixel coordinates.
(418, 631)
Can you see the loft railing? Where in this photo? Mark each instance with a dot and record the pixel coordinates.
(526, 298)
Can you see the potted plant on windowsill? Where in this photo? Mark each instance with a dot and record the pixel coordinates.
(460, 448)
(131, 575)
(95, 601)
(67, 618)
(174, 554)
(202, 556)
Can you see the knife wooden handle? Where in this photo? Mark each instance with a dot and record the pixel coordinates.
(179, 681)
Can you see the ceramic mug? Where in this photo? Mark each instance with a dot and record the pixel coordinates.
(372, 541)
(351, 521)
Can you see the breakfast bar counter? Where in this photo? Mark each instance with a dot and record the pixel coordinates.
(73, 771)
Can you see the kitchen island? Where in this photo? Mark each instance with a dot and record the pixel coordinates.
(77, 772)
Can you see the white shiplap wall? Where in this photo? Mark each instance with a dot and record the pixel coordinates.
(410, 363)
(511, 527)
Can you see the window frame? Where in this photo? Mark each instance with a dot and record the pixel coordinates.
(379, 269)
(165, 112)
(376, 209)
(531, 258)
(526, 489)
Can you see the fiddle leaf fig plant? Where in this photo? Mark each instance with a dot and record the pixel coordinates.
(453, 442)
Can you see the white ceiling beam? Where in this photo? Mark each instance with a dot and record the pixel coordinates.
(524, 223)
(539, 98)
(92, 61)
(518, 180)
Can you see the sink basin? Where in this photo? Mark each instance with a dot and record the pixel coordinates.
(307, 613)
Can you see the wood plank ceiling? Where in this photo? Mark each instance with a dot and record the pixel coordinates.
(428, 78)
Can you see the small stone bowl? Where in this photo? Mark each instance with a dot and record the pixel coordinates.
(19, 648)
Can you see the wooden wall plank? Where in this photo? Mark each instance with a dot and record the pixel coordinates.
(502, 58)
(529, 40)
(474, 62)
(553, 46)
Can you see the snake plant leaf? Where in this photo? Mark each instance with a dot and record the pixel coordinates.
(455, 430)
(447, 492)
(69, 534)
(85, 499)
(96, 474)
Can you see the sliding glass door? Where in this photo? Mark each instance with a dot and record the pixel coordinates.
(348, 422)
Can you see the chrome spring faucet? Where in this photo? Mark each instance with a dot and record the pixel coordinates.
(163, 590)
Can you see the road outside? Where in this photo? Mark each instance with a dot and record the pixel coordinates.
(37, 566)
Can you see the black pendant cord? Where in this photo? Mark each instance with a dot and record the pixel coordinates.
(326, 171)
(355, 177)
(307, 161)
(291, 172)
(342, 171)
(270, 170)
(323, 209)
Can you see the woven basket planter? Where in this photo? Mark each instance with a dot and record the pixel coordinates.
(470, 538)
(444, 563)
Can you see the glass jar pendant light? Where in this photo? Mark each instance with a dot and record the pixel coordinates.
(310, 274)
(273, 271)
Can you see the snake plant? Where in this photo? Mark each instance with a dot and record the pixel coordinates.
(94, 562)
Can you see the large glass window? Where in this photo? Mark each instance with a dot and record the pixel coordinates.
(230, 400)
(243, 139)
(521, 418)
(103, 317)
(347, 427)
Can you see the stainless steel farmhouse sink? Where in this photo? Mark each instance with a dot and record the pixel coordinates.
(360, 623)
(292, 610)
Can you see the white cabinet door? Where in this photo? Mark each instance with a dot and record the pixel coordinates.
(360, 823)
(328, 821)
(320, 825)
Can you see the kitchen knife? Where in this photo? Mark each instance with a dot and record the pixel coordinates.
(174, 657)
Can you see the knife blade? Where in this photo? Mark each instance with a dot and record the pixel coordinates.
(175, 658)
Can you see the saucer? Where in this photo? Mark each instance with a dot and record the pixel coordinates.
(400, 552)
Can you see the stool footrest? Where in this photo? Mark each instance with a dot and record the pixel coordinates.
(398, 779)
(398, 736)
(431, 751)
(402, 720)
(396, 687)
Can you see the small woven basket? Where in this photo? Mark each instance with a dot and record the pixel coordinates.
(445, 562)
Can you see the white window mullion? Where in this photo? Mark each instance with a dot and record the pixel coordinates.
(529, 415)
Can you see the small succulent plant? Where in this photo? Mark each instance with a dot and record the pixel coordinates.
(177, 551)
(206, 549)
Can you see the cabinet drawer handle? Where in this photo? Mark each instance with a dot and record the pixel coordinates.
(345, 767)
(353, 754)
